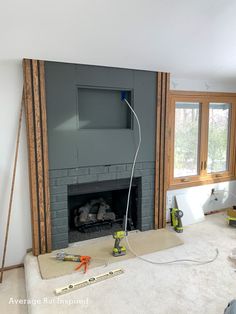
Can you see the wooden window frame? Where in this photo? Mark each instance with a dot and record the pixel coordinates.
(203, 98)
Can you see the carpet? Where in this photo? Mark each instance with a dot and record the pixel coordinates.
(100, 250)
(147, 288)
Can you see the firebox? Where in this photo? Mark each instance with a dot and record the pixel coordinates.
(98, 208)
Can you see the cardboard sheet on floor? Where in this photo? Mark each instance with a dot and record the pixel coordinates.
(191, 207)
(100, 250)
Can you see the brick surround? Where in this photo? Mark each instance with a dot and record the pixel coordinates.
(60, 179)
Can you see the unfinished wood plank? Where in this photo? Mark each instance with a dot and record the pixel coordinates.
(161, 149)
(35, 104)
(165, 91)
(28, 102)
(39, 157)
(157, 159)
(162, 152)
(45, 156)
(166, 153)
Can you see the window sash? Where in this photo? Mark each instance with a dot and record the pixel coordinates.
(190, 156)
(225, 133)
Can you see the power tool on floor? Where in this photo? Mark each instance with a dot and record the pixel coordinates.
(176, 215)
(231, 216)
(119, 250)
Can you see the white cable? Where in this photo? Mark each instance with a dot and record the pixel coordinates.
(134, 163)
(128, 201)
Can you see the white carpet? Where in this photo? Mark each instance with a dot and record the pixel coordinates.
(147, 288)
(12, 289)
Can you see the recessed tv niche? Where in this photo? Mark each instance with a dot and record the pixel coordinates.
(103, 108)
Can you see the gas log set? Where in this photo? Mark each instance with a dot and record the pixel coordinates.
(94, 213)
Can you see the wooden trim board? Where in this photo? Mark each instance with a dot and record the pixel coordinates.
(163, 83)
(12, 267)
(36, 121)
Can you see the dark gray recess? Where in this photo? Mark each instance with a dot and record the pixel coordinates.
(96, 104)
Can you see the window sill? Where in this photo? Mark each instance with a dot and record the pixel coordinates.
(203, 181)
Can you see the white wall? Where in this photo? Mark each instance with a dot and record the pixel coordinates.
(225, 193)
(20, 227)
(187, 84)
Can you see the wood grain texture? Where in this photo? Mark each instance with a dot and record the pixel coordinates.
(45, 155)
(203, 177)
(28, 103)
(12, 267)
(157, 159)
(166, 147)
(39, 157)
(35, 108)
(161, 150)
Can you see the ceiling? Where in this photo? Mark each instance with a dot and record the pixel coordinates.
(189, 38)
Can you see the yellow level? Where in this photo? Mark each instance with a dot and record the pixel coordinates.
(88, 282)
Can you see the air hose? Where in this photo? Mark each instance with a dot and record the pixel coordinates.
(198, 262)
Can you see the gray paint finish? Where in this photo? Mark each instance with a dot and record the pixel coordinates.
(96, 104)
(61, 114)
(104, 76)
(71, 147)
(61, 179)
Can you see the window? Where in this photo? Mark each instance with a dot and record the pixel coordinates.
(201, 141)
(186, 148)
(218, 137)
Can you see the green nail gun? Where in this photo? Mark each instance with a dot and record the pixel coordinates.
(118, 250)
(176, 215)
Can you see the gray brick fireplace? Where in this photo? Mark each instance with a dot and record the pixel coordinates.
(92, 136)
(61, 179)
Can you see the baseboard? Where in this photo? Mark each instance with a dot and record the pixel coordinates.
(217, 211)
(12, 267)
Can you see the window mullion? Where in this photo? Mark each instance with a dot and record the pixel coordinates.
(203, 146)
(233, 140)
(232, 147)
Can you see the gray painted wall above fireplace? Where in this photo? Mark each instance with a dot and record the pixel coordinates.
(71, 147)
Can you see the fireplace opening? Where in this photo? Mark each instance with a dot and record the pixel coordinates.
(98, 209)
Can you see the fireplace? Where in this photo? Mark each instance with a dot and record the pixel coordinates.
(98, 208)
(77, 143)
(75, 187)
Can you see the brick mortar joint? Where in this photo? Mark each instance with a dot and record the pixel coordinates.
(108, 167)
